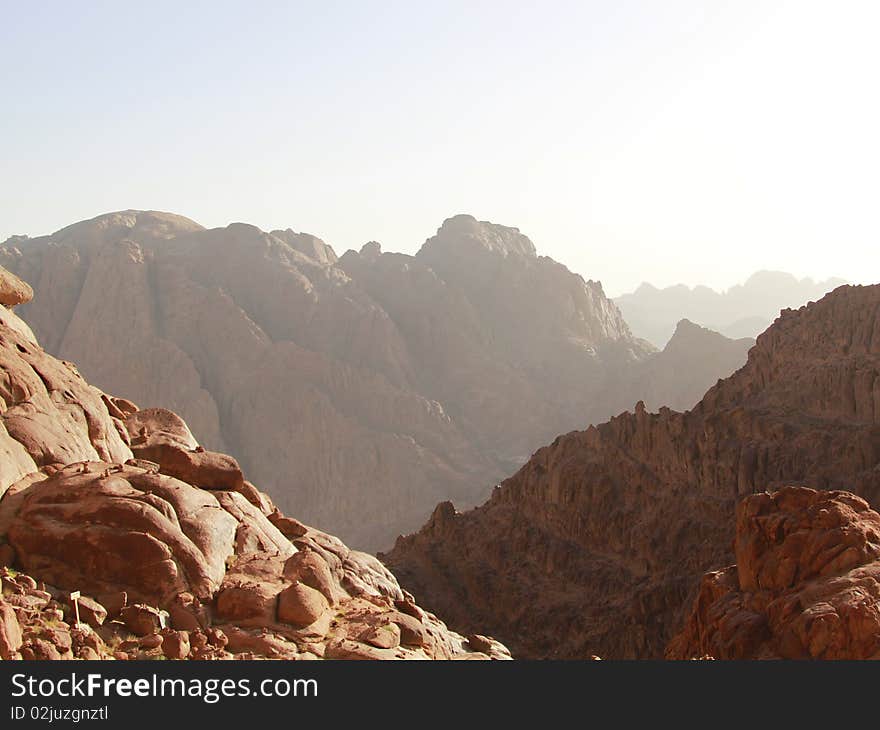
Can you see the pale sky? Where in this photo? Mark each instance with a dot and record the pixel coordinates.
(664, 141)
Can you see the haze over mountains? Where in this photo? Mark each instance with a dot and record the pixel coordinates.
(358, 390)
(597, 545)
(186, 558)
(744, 310)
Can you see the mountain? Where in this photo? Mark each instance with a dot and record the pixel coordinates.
(744, 310)
(174, 553)
(703, 355)
(357, 390)
(596, 545)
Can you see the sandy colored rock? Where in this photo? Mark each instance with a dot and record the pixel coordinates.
(386, 636)
(299, 604)
(13, 290)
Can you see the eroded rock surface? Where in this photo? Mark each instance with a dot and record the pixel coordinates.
(806, 584)
(596, 545)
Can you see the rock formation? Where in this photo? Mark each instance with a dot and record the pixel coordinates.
(174, 552)
(806, 584)
(357, 391)
(596, 545)
(744, 310)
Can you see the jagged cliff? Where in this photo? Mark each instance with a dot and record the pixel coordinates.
(175, 553)
(595, 546)
(357, 391)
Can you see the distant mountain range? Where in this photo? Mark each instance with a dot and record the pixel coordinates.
(744, 310)
(358, 390)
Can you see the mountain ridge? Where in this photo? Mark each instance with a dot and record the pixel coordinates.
(596, 545)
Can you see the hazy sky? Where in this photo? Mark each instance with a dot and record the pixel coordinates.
(663, 141)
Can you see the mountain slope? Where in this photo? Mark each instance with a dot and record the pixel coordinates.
(358, 390)
(125, 506)
(596, 544)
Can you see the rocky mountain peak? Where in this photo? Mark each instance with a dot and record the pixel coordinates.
(463, 234)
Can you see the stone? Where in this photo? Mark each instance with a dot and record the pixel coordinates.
(805, 585)
(412, 630)
(308, 567)
(113, 603)
(13, 290)
(301, 605)
(142, 620)
(481, 643)
(153, 641)
(386, 636)
(41, 650)
(91, 612)
(175, 644)
(10, 631)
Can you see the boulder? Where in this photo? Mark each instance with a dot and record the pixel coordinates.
(10, 631)
(300, 604)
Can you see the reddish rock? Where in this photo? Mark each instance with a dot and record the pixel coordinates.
(153, 641)
(91, 612)
(481, 643)
(142, 620)
(187, 613)
(308, 567)
(597, 544)
(805, 586)
(300, 605)
(41, 650)
(175, 644)
(10, 631)
(144, 524)
(113, 602)
(412, 630)
(385, 636)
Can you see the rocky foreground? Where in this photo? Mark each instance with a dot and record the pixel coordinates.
(806, 584)
(597, 544)
(174, 553)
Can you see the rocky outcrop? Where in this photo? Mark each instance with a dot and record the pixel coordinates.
(744, 310)
(359, 391)
(806, 584)
(174, 553)
(595, 546)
